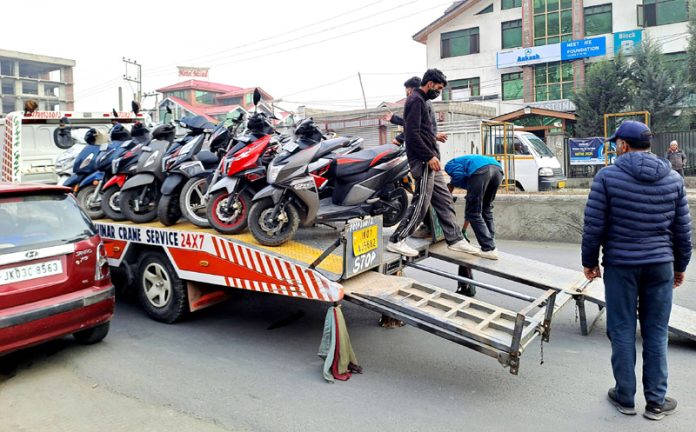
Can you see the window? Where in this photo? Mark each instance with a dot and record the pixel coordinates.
(462, 89)
(512, 34)
(509, 4)
(459, 43)
(660, 12)
(553, 21)
(206, 98)
(553, 81)
(181, 94)
(489, 9)
(248, 98)
(598, 20)
(677, 60)
(513, 86)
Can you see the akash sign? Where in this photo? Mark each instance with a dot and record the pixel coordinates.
(528, 56)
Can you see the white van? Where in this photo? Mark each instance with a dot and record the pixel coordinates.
(31, 144)
(536, 167)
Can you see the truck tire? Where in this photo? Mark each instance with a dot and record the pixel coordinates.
(111, 204)
(127, 203)
(92, 335)
(273, 232)
(191, 201)
(229, 223)
(92, 208)
(168, 210)
(162, 294)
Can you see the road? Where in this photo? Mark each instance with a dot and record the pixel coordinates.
(224, 370)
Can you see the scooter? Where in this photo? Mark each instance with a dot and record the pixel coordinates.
(84, 163)
(66, 161)
(368, 182)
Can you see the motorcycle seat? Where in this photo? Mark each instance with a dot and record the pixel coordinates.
(331, 145)
(208, 159)
(354, 163)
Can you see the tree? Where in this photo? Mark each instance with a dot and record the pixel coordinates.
(605, 91)
(691, 47)
(656, 87)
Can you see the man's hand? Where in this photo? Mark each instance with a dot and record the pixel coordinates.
(593, 272)
(387, 116)
(678, 278)
(441, 136)
(434, 164)
(396, 141)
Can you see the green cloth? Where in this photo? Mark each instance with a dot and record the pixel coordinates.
(328, 345)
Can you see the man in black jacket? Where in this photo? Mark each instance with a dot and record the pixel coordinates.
(424, 158)
(410, 85)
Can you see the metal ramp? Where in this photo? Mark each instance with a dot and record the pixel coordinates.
(569, 284)
(489, 329)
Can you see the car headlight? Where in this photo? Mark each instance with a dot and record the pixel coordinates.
(273, 171)
(545, 172)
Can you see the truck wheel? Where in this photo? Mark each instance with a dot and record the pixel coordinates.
(192, 202)
(92, 335)
(90, 206)
(162, 294)
(110, 204)
(168, 210)
(146, 212)
(229, 221)
(269, 231)
(398, 205)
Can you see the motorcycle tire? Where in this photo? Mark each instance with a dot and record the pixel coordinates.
(191, 201)
(267, 232)
(127, 204)
(221, 221)
(168, 210)
(84, 198)
(398, 206)
(111, 204)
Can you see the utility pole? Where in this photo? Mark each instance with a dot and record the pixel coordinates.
(156, 108)
(363, 89)
(120, 98)
(137, 79)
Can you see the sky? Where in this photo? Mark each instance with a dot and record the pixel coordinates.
(306, 52)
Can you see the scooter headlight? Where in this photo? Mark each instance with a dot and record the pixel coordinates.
(114, 165)
(273, 171)
(86, 161)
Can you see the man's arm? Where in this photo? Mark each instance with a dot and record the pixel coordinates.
(681, 234)
(396, 120)
(412, 132)
(595, 226)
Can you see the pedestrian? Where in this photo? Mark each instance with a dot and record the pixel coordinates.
(424, 159)
(481, 176)
(676, 157)
(638, 214)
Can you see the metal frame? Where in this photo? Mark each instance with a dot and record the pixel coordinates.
(489, 131)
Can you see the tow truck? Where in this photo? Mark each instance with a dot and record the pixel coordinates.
(181, 269)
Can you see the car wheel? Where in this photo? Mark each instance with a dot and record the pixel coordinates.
(162, 293)
(92, 335)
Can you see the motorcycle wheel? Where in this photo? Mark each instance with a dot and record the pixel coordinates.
(111, 204)
(270, 232)
(221, 219)
(129, 199)
(168, 210)
(396, 210)
(192, 203)
(92, 208)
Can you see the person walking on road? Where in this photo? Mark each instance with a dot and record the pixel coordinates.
(676, 157)
(480, 176)
(638, 214)
(424, 159)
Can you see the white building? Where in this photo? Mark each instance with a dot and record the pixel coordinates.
(514, 53)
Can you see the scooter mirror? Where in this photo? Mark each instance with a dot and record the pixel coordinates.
(135, 107)
(257, 96)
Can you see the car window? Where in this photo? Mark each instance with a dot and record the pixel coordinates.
(539, 146)
(520, 148)
(35, 221)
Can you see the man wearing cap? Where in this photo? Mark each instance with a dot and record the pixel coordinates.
(638, 214)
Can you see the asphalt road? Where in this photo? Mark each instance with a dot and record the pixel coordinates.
(223, 369)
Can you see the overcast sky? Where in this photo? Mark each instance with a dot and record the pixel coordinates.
(305, 51)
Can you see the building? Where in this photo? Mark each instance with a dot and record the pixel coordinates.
(517, 53)
(47, 80)
(211, 100)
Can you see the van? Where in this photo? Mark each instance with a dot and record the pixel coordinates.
(54, 274)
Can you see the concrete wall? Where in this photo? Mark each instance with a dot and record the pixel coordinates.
(552, 218)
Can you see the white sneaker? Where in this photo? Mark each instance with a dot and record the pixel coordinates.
(491, 254)
(464, 246)
(402, 248)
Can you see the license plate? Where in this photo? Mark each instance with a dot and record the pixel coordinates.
(365, 240)
(561, 184)
(28, 272)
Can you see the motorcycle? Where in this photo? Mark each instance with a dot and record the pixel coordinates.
(84, 163)
(66, 161)
(367, 182)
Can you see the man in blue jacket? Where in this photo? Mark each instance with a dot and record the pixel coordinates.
(638, 213)
(480, 176)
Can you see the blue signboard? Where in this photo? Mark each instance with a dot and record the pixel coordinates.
(626, 41)
(589, 151)
(583, 48)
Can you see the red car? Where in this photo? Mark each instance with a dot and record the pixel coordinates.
(54, 274)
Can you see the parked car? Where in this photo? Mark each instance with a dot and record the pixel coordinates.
(54, 274)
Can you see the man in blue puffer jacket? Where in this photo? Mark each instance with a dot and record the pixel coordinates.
(638, 213)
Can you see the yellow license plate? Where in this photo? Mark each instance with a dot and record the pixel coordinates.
(365, 240)
(561, 184)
